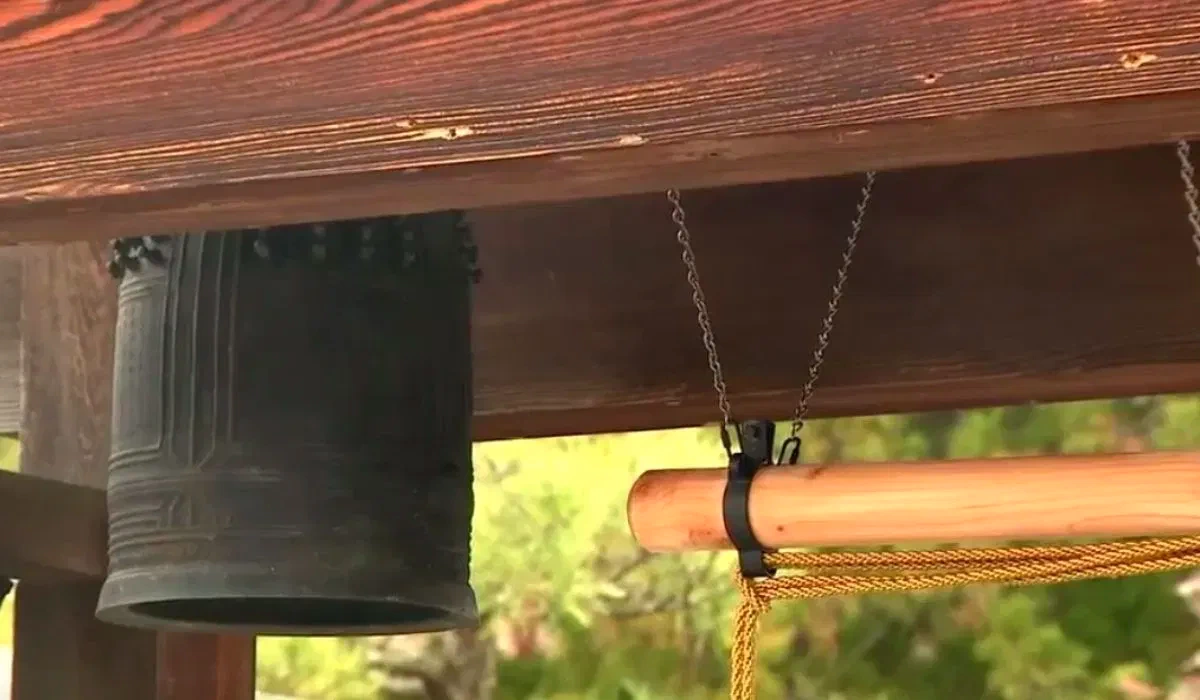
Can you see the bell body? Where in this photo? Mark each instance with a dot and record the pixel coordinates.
(291, 447)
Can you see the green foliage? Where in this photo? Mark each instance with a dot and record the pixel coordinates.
(316, 668)
(1070, 641)
(1028, 656)
(10, 453)
(552, 553)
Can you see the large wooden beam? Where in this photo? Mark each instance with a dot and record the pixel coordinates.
(1052, 279)
(114, 120)
(61, 650)
(1048, 279)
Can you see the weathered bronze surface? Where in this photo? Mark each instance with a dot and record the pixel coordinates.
(291, 448)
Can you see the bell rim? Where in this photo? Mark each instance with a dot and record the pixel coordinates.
(121, 598)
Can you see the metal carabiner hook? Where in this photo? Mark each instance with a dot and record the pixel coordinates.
(789, 451)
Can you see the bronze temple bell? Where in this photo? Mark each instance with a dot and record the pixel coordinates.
(291, 449)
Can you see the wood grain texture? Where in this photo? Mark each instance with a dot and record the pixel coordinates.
(68, 315)
(68, 318)
(60, 651)
(1004, 499)
(10, 340)
(989, 284)
(1047, 279)
(50, 530)
(221, 113)
(205, 667)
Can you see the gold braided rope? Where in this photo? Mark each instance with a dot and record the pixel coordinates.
(829, 574)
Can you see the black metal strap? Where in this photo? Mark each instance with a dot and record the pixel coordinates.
(757, 438)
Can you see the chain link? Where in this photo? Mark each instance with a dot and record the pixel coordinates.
(835, 300)
(684, 236)
(705, 322)
(1187, 173)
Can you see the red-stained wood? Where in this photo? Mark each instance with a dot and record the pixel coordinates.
(136, 116)
(205, 667)
(61, 650)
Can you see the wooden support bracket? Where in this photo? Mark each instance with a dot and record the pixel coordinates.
(51, 530)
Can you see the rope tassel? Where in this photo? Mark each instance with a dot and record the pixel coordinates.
(746, 621)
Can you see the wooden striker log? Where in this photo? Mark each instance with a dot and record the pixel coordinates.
(1122, 495)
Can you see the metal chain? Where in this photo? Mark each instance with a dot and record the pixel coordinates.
(1187, 173)
(705, 323)
(1191, 195)
(835, 300)
(684, 236)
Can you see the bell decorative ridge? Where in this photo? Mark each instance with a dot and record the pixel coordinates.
(291, 448)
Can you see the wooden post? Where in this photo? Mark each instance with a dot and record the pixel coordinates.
(10, 340)
(1123, 495)
(61, 651)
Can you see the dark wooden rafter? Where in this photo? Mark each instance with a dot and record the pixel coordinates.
(61, 650)
(1047, 279)
(325, 111)
(1052, 279)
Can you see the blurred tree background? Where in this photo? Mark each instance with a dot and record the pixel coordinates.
(573, 610)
